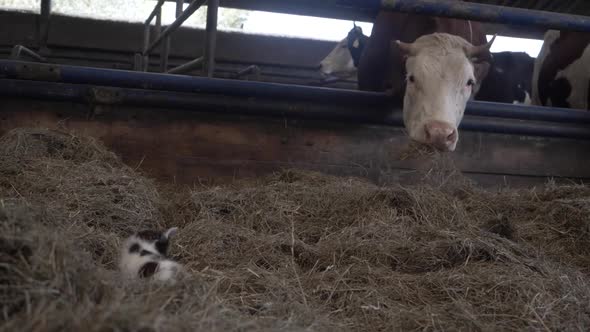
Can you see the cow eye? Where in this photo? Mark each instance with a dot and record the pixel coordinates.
(411, 79)
(471, 82)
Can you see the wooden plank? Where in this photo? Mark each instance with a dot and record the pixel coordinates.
(183, 146)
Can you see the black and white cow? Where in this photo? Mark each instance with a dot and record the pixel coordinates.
(509, 79)
(562, 71)
(345, 57)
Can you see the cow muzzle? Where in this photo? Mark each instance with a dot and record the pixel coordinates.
(441, 135)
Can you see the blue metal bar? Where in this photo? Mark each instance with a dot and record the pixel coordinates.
(83, 93)
(478, 12)
(225, 87)
(181, 83)
(532, 113)
(524, 128)
(263, 107)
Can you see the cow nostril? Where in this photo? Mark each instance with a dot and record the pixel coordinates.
(452, 136)
(440, 135)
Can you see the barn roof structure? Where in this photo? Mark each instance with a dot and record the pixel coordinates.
(335, 9)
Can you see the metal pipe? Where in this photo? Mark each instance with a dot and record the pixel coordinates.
(263, 107)
(178, 100)
(225, 87)
(159, 31)
(211, 40)
(250, 69)
(167, 42)
(18, 49)
(137, 62)
(154, 12)
(478, 12)
(179, 4)
(533, 113)
(146, 41)
(182, 83)
(543, 129)
(187, 67)
(158, 22)
(165, 55)
(194, 6)
(44, 23)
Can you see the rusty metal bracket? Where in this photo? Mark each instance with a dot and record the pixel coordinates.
(19, 50)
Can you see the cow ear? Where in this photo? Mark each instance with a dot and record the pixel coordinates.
(480, 53)
(405, 49)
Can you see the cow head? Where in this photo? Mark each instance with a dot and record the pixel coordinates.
(443, 73)
(339, 62)
(344, 59)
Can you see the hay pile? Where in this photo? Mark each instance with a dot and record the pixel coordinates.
(293, 251)
(85, 187)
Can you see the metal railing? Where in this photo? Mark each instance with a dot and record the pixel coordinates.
(162, 36)
(139, 80)
(477, 12)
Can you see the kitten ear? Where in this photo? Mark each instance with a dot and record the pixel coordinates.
(170, 232)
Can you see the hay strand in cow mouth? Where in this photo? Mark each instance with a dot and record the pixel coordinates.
(291, 251)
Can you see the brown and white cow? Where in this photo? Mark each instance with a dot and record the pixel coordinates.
(562, 71)
(431, 62)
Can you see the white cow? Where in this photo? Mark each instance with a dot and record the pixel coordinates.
(441, 78)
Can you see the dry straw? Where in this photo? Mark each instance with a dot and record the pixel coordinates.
(292, 251)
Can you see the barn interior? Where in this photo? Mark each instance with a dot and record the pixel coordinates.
(496, 148)
(300, 205)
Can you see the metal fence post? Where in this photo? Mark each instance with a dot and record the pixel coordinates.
(146, 42)
(166, 50)
(44, 23)
(211, 41)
